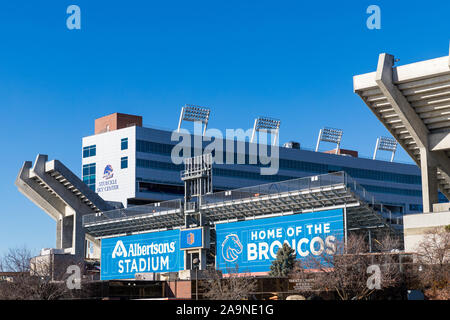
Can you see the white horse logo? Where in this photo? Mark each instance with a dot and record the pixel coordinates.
(231, 247)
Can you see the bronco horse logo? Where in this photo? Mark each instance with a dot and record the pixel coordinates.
(231, 247)
(108, 172)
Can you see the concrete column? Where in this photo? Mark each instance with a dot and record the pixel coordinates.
(202, 255)
(67, 232)
(79, 236)
(59, 233)
(429, 180)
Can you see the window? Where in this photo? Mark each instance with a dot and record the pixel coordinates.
(151, 164)
(89, 175)
(157, 187)
(89, 151)
(124, 144)
(123, 162)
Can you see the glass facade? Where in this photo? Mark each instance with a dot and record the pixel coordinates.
(150, 164)
(297, 165)
(89, 175)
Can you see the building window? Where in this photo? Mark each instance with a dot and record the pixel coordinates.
(89, 151)
(123, 162)
(124, 144)
(89, 175)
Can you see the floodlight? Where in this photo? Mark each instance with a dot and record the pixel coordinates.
(195, 114)
(385, 144)
(266, 124)
(330, 135)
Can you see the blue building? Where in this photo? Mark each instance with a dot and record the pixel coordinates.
(132, 164)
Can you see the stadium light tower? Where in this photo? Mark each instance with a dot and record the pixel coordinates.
(195, 114)
(330, 135)
(385, 144)
(266, 124)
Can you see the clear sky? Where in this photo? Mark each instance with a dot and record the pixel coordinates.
(293, 60)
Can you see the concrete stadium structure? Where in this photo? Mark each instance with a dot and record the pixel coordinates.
(413, 103)
(64, 197)
(125, 204)
(131, 186)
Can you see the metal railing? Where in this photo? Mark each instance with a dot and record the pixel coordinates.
(133, 211)
(305, 183)
(294, 185)
(324, 180)
(191, 206)
(370, 199)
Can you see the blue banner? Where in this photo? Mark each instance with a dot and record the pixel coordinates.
(123, 257)
(191, 238)
(252, 245)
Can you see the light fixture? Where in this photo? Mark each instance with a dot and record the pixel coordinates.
(330, 135)
(385, 144)
(266, 124)
(195, 114)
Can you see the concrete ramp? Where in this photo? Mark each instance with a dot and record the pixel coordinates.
(64, 197)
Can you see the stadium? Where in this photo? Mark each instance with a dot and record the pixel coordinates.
(141, 216)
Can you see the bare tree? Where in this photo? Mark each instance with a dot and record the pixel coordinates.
(433, 257)
(34, 279)
(344, 269)
(387, 243)
(235, 286)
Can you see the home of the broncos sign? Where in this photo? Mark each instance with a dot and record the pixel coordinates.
(252, 245)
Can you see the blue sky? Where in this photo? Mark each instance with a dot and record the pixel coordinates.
(292, 60)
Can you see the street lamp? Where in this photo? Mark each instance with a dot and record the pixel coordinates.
(196, 262)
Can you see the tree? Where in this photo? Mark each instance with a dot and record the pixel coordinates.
(284, 263)
(235, 286)
(34, 279)
(345, 270)
(16, 260)
(433, 257)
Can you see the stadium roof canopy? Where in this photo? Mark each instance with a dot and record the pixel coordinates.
(308, 194)
(413, 103)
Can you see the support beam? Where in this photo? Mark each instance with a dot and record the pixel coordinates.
(429, 180)
(439, 141)
(416, 128)
(409, 118)
(46, 184)
(41, 198)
